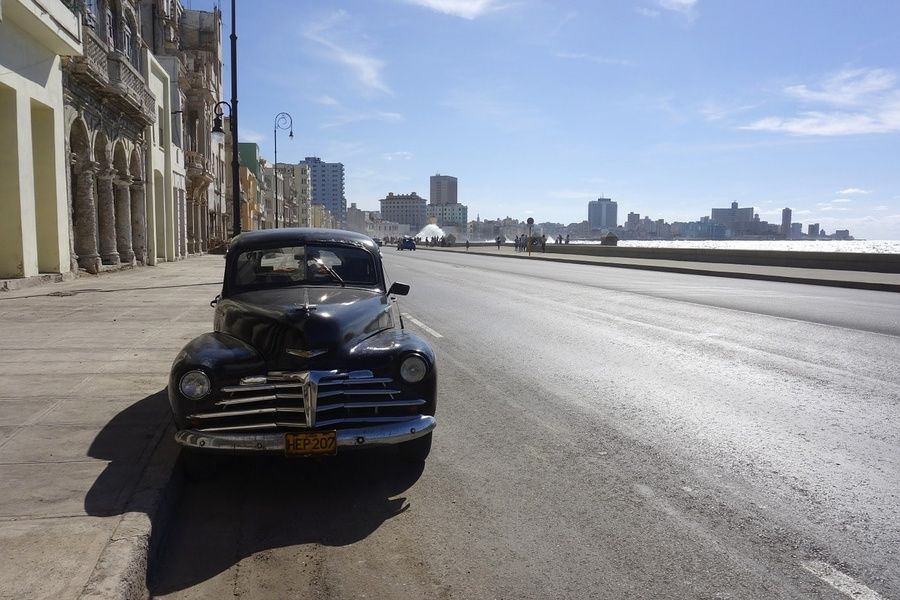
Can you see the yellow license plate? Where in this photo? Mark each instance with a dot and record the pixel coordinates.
(310, 443)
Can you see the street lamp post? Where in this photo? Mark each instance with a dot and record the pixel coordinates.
(218, 137)
(282, 121)
(219, 133)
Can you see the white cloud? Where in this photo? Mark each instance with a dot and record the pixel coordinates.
(715, 111)
(366, 68)
(327, 101)
(859, 101)
(600, 60)
(842, 200)
(849, 191)
(646, 12)
(401, 155)
(849, 87)
(682, 6)
(466, 9)
(249, 135)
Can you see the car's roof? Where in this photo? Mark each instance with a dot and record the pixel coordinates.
(297, 235)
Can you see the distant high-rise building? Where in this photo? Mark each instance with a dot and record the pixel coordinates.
(455, 215)
(633, 221)
(737, 220)
(443, 189)
(326, 186)
(602, 214)
(786, 222)
(356, 219)
(796, 231)
(812, 230)
(408, 209)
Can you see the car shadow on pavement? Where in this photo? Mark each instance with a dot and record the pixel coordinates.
(260, 503)
(126, 442)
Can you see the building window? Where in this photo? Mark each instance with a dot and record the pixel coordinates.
(91, 13)
(110, 27)
(128, 45)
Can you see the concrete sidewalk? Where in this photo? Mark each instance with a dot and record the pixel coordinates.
(85, 436)
(830, 277)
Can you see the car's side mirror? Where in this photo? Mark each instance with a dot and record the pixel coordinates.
(215, 300)
(400, 289)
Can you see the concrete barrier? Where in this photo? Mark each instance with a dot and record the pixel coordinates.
(842, 261)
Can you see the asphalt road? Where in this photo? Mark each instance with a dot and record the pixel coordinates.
(602, 433)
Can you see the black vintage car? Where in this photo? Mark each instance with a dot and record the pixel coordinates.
(308, 355)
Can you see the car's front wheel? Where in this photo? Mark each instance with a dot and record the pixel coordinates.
(415, 451)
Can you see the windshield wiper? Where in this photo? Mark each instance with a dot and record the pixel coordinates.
(331, 271)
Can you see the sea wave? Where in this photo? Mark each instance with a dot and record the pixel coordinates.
(863, 246)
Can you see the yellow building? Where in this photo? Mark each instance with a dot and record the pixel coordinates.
(34, 229)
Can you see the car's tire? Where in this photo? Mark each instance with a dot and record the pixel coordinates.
(415, 451)
(198, 466)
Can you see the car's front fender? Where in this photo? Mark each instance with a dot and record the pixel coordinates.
(224, 359)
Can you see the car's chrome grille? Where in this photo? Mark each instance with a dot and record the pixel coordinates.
(288, 400)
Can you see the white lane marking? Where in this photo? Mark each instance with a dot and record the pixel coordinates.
(840, 581)
(422, 325)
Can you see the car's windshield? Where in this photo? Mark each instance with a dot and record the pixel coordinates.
(295, 265)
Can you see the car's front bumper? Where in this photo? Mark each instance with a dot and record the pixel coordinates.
(359, 437)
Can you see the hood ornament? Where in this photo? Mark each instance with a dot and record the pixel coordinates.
(306, 306)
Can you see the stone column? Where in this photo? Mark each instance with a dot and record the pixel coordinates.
(106, 211)
(182, 220)
(198, 227)
(123, 220)
(85, 225)
(184, 224)
(138, 221)
(204, 219)
(191, 225)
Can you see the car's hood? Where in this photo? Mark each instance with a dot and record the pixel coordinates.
(292, 327)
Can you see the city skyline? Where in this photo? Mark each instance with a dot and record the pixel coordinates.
(669, 107)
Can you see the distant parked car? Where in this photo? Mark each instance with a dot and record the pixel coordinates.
(308, 355)
(407, 243)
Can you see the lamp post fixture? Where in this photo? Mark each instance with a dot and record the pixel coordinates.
(282, 121)
(219, 134)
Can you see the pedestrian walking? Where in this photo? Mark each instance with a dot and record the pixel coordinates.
(543, 243)
(567, 238)
(498, 242)
(467, 245)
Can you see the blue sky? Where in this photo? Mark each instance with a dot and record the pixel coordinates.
(669, 107)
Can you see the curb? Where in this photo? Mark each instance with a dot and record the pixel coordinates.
(861, 285)
(121, 570)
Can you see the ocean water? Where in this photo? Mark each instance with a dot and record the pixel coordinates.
(866, 246)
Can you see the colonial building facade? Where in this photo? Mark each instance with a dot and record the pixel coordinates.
(109, 109)
(35, 38)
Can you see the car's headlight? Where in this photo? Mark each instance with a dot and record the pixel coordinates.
(194, 384)
(413, 369)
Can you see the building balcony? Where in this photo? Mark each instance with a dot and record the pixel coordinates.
(197, 166)
(128, 85)
(91, 67)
